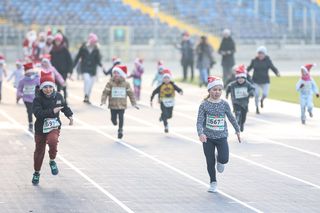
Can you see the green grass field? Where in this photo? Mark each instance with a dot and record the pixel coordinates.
(284, 89)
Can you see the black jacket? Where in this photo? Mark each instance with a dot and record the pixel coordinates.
(227, 44)
(43, 108)
(261, 70)
(238, 96)
(186, 52)
(61, 60)
(166, 90)
(89, 61)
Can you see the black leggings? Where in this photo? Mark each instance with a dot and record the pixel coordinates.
(209, 151)
(241, 114)
(29, 111)
(166, 113)
(114, 114)
(64, 89)
(185, 70)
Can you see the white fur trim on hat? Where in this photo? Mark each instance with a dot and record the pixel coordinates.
(241, 75)
(166, 75)
(120, 71)
(215, 83)
(262, 49)
(48, 83)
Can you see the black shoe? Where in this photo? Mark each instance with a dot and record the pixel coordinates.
(54, 168)
(36, 178)
(241, 128)
(166, 129)
(310, 114)
(160, 119)
(115, 123)
(261, 103)
(303, 122)
(30, 129)
(257, 110)
(120, 134)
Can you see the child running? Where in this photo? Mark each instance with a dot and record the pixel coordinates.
(212, 129)
(137, 77)
(117, 89)
(240, 90)
(27, 89)
(307, 87)
(46, 107)
(166, 93)
(3, 73)
(16, 74)
(158, 77)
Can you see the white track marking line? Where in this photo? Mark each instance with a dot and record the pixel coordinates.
(77, 170)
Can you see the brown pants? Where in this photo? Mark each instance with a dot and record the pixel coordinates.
(41, 140)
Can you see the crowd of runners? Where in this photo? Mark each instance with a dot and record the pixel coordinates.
(40, 79)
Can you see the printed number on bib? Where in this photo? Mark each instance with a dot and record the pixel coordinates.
(215, 122)
(168, 102)
(29, 90)
(241, 92)
(49, 124)
(118, 92)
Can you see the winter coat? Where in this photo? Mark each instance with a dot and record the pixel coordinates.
(166, 91)
(27, 88)
(261, 70)
(117, 93)
(227, 50)
(43, 109)
(61, 60)
(240, 93)
(55, 74)
(186, 52)
(204, 56)
(309, 88)
(89, 60)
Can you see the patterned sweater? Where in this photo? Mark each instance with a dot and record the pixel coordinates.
(211, 119)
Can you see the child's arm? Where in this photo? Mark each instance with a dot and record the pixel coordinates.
(20, 89)
(252, 89)
(58, 77)
(228, 90)
(299, 85)
(156, 91)
(106, 92)
(5, 72)
(200, 122)
(315, 88)
(176, 88)
(231, 118)
(39, 112)
(11, 75)
(131, 95)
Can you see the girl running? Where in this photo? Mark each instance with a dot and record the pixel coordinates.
(158, 77)
(212, 129)
(16, 74)
(137, 77)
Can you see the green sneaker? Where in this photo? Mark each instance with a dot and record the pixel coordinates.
(54, 168)
(36, 178)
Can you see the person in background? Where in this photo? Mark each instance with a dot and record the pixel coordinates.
(3, 73)
(158, 76)
(115, 61)
(187, 56)
(16, 74)
(137, 77)
(226, 50)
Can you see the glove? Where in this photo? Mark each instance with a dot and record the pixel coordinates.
(302, 85)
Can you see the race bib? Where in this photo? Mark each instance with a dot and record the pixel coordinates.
(118, 92)
(168, 102)
(241, 92)
(215, 122)
(29, 90)
(49, 124)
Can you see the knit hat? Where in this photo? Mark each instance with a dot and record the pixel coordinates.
(214, 81)
(262, 49)
(46, 58)
(116, 60)
(166, 73)
(58, 37)
(2, 59)
(122, 70)
(241, 71)
(28, 68)
(307, 67)
(93, 38)
(19, 62)
(47, 79)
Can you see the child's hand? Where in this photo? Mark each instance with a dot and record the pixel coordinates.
(135, 106)
(57, 109)
(302, 85)
(278, 74)
(203, 138)
(181, 92)
(151, 104)
(70, 121)
(239, 138)
(17, 100)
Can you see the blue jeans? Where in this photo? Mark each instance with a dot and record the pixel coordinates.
(203, 76)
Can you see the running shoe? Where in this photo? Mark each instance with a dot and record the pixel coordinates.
(120, 134)
(257, 110)
(54, 168)
(220, 167)
(166, 129)
(36, 178)
(310, 114)
(213, 187)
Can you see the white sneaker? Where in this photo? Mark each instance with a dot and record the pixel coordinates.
(213, 187)
(220, 167)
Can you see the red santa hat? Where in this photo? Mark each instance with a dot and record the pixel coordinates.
(58, 37)
(214, 81)
(28, 68)
(166, 73)
(46, 58)
(2, 59)
(116, 60)
(307, 67)
(47, 79)
(122, 70)
(241, 71)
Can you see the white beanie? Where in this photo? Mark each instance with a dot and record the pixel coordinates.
(262, 49)
(214, 81)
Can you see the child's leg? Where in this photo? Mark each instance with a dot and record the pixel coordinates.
(52, 141)
(244, 112)
(121, 118)
(169, 112)
(164, 115)
(223, 151)
(303, 108)
(310, 104)
(113, 116)
(209, 152)
(237, 111)
(29, 111)
(40, 142)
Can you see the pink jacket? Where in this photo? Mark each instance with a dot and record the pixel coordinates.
(56, 75)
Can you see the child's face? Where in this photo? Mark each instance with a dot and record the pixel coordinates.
(116, 75)
(18, 66)
(241, 80)
(45, 64)
(215, 92)
(166, 80)
(47, 90)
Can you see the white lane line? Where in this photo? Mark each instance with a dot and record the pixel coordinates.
(166, 165)
(231, 154)
(77, 170)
